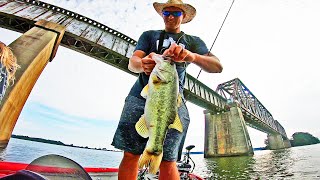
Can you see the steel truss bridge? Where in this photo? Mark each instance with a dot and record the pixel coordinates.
(108, 45)
(255, 114)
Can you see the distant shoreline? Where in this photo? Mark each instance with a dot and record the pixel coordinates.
(48, 141)
(54, 142)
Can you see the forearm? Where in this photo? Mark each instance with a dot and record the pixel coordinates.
(135, 64)
(208, 63)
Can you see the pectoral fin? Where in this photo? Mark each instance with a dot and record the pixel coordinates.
(177, 124)
(142, 128)
(144, 92)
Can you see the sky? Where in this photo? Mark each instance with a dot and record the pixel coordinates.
(271, 46)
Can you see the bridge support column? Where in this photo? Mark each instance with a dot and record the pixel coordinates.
(226, 134)
(33, 51)
(277, 142)
(287, 143)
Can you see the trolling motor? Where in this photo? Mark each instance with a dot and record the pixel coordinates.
(184, 166)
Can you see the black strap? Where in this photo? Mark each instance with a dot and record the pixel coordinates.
(161, 39)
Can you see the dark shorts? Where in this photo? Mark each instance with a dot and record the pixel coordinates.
(126, 137)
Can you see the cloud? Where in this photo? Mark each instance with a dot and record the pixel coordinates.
(83, 86)
(40, 120)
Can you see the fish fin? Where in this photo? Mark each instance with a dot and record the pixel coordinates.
(150, 160)
(177, 124)
(144, 92)
(155, 163)
(179, 100)
(141, 127)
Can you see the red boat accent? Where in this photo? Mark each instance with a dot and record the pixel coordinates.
(100, 170)
(10, 167)
(7, 168)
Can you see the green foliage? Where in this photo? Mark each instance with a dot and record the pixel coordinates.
(303, 138)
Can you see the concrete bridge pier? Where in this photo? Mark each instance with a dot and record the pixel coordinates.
(33, 50)
(277, 142)
(226, 134)
(287, 143)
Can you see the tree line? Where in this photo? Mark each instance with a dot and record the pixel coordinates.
(48, 141)
(302, 139)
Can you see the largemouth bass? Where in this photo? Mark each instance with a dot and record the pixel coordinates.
(160, 112)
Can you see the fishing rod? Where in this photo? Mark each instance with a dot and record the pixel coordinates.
(215, 40)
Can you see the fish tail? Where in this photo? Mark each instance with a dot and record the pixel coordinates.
(151, 161)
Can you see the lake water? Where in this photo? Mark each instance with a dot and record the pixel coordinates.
(293, 163)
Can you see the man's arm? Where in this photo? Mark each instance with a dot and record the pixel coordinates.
(139, 62)
(207, 62)
(135, 61)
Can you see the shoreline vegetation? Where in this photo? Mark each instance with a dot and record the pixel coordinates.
(303, 139)
(48, 141)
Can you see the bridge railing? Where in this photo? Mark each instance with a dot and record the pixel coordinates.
(203, 96)
(82, 33)
(41, 7)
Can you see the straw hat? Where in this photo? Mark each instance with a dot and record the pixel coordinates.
(189, 11)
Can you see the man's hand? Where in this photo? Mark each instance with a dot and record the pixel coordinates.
(147, 63)
(179, 54)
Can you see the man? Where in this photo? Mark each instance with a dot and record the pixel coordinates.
(183, 49)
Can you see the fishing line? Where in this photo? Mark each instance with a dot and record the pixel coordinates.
(214, 41)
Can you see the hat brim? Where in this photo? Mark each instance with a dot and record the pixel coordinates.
(190, 11)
